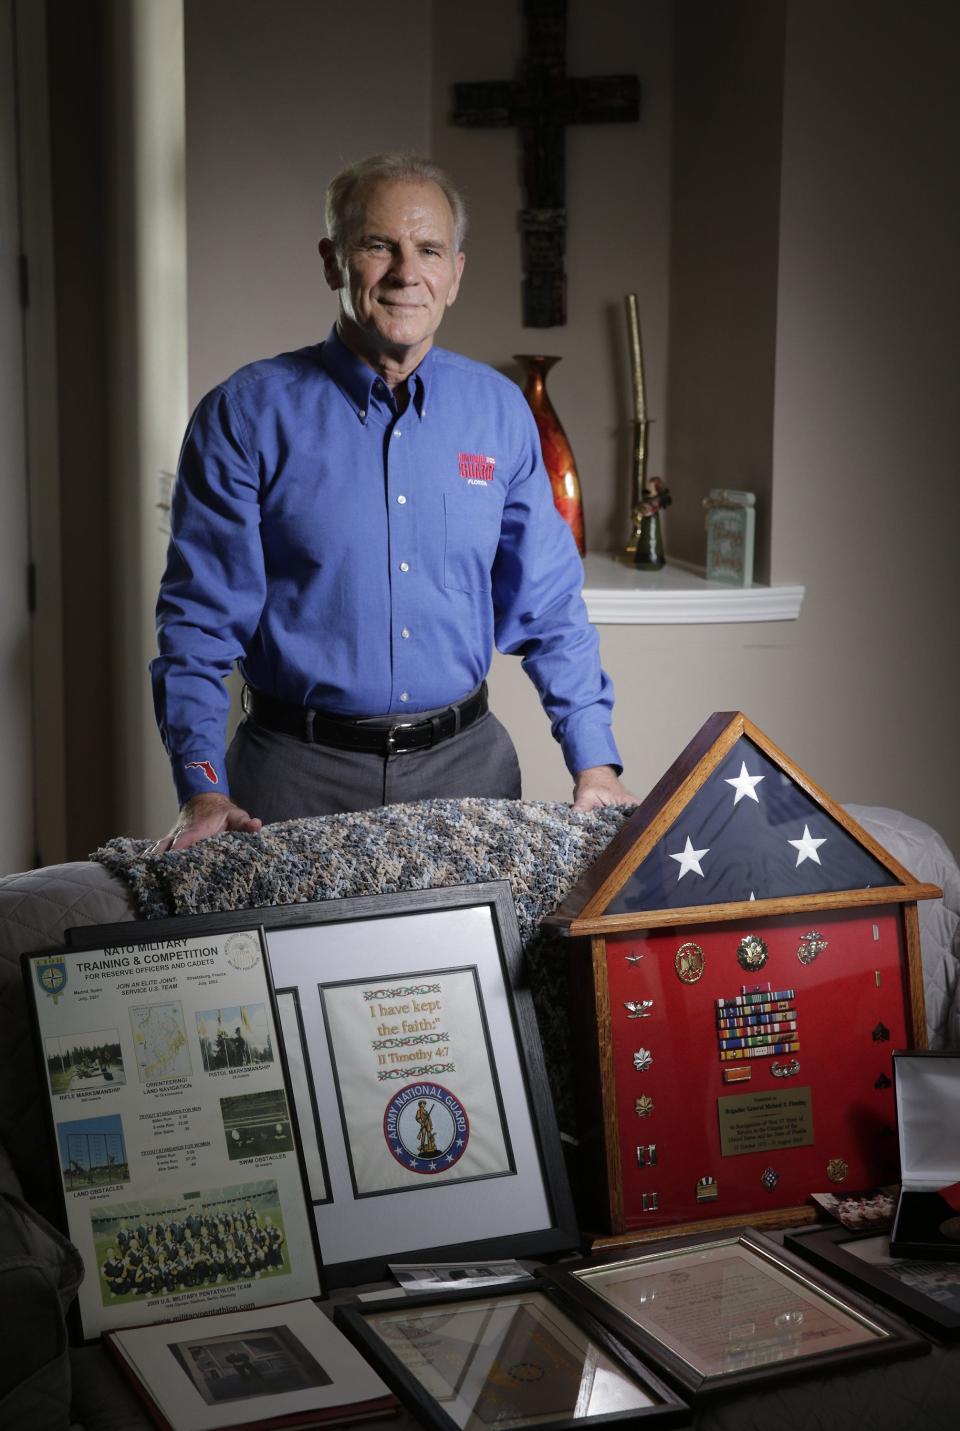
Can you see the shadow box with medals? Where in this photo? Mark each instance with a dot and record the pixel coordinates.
(744, 958)
(424, 1114)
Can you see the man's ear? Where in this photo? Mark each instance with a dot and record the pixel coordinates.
(458, 263)
(331, 268)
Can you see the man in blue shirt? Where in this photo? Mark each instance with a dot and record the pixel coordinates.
(356, 523)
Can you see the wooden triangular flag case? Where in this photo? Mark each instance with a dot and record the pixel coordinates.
(748, 959)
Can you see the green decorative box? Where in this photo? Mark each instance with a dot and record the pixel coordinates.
(730, 520)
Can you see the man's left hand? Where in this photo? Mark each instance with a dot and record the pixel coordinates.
(600, 785)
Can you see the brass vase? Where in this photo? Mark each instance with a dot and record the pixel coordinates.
(557, 453)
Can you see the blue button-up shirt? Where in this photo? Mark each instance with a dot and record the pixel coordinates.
(363, 561)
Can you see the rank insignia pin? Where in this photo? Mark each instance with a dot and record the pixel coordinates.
(646, 1155)
(650, 1202)
(638, 1008)
(751, 952)
(837, 1170)
(643, 1106)
(707, 1190)
(689, 962)
(880, 1034)
(811, 944)
(642, 1060)
(770, 1177)
(882, 1082)
(633, 958)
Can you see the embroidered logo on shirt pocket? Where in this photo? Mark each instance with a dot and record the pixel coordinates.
(476, 467)
(471, 538)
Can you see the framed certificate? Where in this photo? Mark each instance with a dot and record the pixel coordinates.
(723, 1311)
(425, 1116)
(509, 1358)
(926, 1293)
(173, 1125)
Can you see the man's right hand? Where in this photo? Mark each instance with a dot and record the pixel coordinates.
(202, 816)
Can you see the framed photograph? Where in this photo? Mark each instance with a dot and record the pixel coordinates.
(723, 1311)
(273, 1367)
(173, 1123)
(425, 1117)
(506, 1358)
(925, 1293)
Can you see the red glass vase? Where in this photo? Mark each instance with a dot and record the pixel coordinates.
(557, 453)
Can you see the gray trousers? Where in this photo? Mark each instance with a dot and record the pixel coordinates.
(279, 777)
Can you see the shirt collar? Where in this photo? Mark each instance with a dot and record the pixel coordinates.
(356, 380)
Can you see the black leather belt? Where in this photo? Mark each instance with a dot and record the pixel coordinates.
(381, 735)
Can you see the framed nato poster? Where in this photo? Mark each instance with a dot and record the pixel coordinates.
(424, 1114)
(170, 1118)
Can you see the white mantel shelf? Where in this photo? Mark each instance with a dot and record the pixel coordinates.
(678, 594)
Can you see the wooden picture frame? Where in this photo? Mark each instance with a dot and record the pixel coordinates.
(466, 936)
(519, 1356)
(727, 1311)
(925, 1293)
(656, 977)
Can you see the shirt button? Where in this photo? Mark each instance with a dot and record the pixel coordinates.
(405, 633)
(402, 500)
(404, 695)
(397, 432)
(404, 566)
(362, 412)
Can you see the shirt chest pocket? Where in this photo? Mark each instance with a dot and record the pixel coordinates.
(471, 537)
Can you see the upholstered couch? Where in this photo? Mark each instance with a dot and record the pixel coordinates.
(38, 907)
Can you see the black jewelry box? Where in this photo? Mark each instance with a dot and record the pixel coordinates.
(927, 1088)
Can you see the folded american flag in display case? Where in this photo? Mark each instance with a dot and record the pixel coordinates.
(771, 948)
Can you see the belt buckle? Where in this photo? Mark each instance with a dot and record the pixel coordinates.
(392, 736)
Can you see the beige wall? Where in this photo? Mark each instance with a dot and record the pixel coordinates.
(724, 254)
(618, 198)
(861, 691)
(866, 494)
(274, 109)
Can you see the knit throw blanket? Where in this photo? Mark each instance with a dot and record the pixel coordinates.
(543, 849)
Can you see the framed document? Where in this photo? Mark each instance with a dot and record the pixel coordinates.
(424, 1111)
(508, 1358)
(173, 1125)
(926, 1293)
(722, 1311)
(272, 1367)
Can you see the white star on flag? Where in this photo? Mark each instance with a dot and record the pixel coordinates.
(690, 860)
(745, 785)
(807, 847)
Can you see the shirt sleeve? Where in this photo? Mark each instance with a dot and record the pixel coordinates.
(211, 595)
(540, 614)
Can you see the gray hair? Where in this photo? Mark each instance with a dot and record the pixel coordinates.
(344, 193)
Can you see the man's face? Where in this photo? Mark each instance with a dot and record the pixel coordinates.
(399, 274)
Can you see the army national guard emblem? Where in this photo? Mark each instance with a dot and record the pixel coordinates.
(52, 977)
(426, 1128)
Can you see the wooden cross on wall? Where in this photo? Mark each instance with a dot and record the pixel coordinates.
(541, 104)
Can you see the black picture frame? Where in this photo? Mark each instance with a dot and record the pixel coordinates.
(761, 1336)
(378, 917)
(829, 1248)
(357, 1322)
